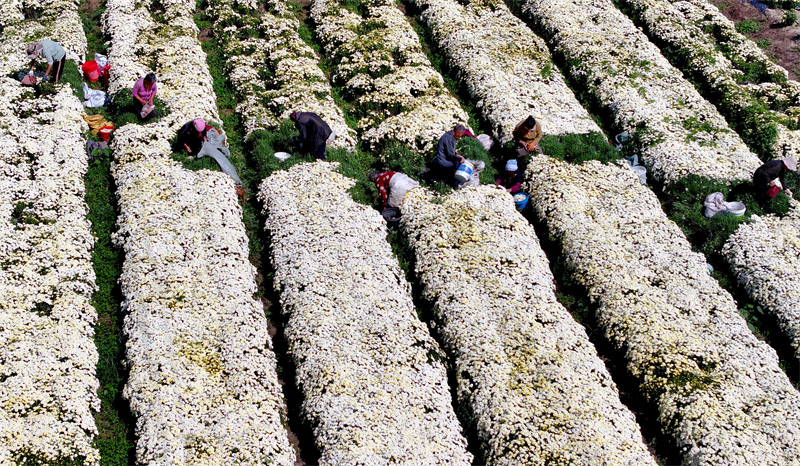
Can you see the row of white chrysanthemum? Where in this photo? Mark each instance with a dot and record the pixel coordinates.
(765, 256)
(203, 383)
(707, 42)
(296, 82)
(536, 388)
(680, 133)
(508, 82)
(379, 61)
(720, 392)
(57, 20)
(375, 388)
(762, 254)
(47, 378)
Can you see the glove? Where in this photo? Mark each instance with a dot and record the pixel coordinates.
(45, 79)
(30, 73)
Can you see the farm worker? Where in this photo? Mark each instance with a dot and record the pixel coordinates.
(766, 175)
(443, 166)
(53, 53)
(313, 132)
(527, 135)
(144, 91)
(192, 136)
(512, 177)
(393, 187)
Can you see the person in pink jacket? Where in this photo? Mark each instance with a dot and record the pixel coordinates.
(144, 92)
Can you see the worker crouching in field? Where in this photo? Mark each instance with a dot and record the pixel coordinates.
(392, 186)
(769, 178)
(527, 135)
(444, 165)
(192, 136)
(512, 178)
(144, 93)
(52, 52)
(314, 132)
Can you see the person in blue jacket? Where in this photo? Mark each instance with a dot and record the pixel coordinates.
(444, 165)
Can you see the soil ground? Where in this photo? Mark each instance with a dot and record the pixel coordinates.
(782, 43)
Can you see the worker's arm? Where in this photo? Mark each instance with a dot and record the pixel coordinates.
(33, 63)
(49, 67)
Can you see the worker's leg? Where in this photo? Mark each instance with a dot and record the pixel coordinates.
(59, 66)
(320, 152)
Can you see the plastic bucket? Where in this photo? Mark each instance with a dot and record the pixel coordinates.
(464, 171)
(105, 132)
(392, 217)
(90, 70)
(736, 208)
(521, 200)
(641, 172)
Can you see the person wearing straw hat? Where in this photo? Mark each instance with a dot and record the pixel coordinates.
(770, 176)
(52, 52)
(192, 135)
(512, 178)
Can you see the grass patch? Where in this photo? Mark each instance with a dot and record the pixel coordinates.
(579, 148)
(116, 439)
(748, 26)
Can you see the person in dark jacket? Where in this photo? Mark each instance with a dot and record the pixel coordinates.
(192, 135)
(766, 175)
(314, 132)
(512, 179)
(444, 165)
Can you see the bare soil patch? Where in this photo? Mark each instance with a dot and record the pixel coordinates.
(780, 42)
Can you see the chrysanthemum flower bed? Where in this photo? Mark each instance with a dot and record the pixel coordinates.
(765, 257)
(719, 391)
(748, 88)
(505, 66)
(57, 20)
(273, 71)
(203, 382)
(375, 388)
(378, 60)
(678, 133)
(48, 386)
(538, 392)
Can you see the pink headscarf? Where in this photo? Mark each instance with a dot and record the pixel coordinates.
(199, 125)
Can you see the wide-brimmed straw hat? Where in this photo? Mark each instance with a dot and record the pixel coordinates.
(33, 50)
(790, 162)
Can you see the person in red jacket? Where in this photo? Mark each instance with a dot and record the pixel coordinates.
(392, 187)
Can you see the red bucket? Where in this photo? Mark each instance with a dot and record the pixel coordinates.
(105, 132)
(90, 70)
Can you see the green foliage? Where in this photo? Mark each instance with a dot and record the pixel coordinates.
(579, 148)
(782, 4)
(264, 143)
(748, 26)
(472, 149)
(789, 18)
(764, 43)
(684, 205)
(114, 421)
